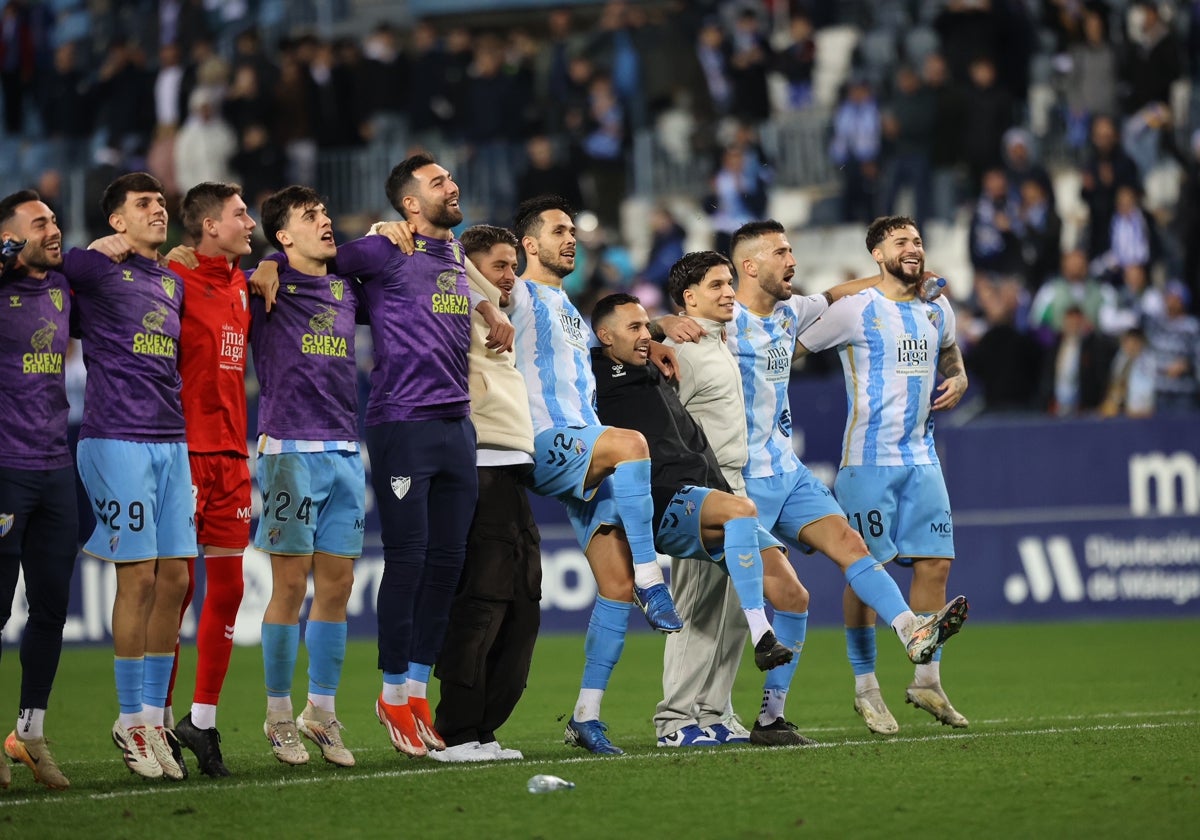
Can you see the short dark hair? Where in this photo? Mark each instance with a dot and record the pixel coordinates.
(206, 200)
(401, 179)
(753, 230)
(279, 205)
(881, 227)
(10, 203)
(690, 269)
(607, 305)
(482, 238)
(135, 182)
(528, 221)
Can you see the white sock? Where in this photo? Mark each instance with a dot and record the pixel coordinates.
(169, 717)
(30, 724)
(395, 695)
(866, 682)
(153, 715)
(646, 575)
(279, 704)
(204, 716)
(416, 688)
(324, 702)
(772, 705)
(757, 619)
(904, 624)
(130, 720)
(587, 707)
(928, 674)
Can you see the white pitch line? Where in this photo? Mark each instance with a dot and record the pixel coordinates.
(166, 789)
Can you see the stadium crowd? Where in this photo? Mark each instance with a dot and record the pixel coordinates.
(1101, 325)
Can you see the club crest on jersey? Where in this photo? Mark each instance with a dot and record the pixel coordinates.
(689, 507)
(6, 523)
(338, 288)
(273, 535)
(168, 284)
(580, 447)
(245, 303)
(113, 542)
(56, 298)
(454, 246)
(400, 485)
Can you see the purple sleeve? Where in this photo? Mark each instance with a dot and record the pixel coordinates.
(84, 268)
(365, 257)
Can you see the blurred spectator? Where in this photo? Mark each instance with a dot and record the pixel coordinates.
(714, 56)
(946, 150)
(1040, 233)
(855, 150)
(168, 83)
(1131, 385)
(909, 127)
(430, 108)
(293, 120)
(1091, 81)
(967, 29)
(988, 115)
(1134, 304)
(1175, 340)
(203, 67)
(125, 96)
(182, 22)
(604, 151)
(247, 102)
(460, 51)
(491, 101)
(667, 244)
(337, 114)
(1133, 238)
(995, 245)
(553, 79)
(1187, 221)
(67, 112)
(544, 174)
(1146, 134)
(1071, 289)
(796, 61)
(736, 198)
(749, 60)
(205, 143)
(1076, 374)
(1005, 362)
(1021, 163)
(260, 166)
(1151, 60)
(248, 51)
(613, 53)
(18, 62)
(1107, 168)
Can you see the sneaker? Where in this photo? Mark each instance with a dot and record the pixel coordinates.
(778, 733)
(497, 752)
(134, 744)
(933, 632)
(769, 653)
(401, 727)
(168, 752)
(419, 706)
(461, 753)
(728, 731)
(281, 731)
(933, 699)
(875, 713)
(324, 730)
(589, 734)
(35, 755)
(689, 736)
(656, 603)
(205, 744)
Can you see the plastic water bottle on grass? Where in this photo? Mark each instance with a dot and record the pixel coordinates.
(542, 783)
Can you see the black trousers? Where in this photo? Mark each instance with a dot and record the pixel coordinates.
(494, 620)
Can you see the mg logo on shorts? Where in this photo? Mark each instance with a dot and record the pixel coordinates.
(6, 523)
(400, 485)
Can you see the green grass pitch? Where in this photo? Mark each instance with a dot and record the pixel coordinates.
(1077, 730)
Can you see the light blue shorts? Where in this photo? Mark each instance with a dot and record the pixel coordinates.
(679, 531)
(561, 460)
(588, 517)
(141, 494)
(788, 503)
(901, 512)
(312, 501)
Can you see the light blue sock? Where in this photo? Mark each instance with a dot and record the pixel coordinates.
(741, 546)
(280, 642)
(875, 588)
(128, 672)
(155, 677)
(390, 678)
(419, 672)
(937, 654)
(790, 629)
(326, 643)
(604, 641)
(631, 494)
(860, 649)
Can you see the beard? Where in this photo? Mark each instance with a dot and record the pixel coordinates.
(445, 217)
(558, 266)
(37, 258)
(898, 270)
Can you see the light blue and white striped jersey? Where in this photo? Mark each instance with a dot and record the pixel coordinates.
(763, 346)
(889, 352)
(552, 355)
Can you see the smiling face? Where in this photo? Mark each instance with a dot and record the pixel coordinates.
(35, 223)
(712, 297)
(233, 229)
(902, 255)
(626, 335)
(554, 244)
(498, 265)
(436, 197)
(142, 218)
(309, 232)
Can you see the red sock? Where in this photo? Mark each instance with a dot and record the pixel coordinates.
(187, 601)
(214, 638)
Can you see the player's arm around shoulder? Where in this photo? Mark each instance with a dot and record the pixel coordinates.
(950, 362)
(835, 326)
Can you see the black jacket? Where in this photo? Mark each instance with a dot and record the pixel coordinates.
(638, 398)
